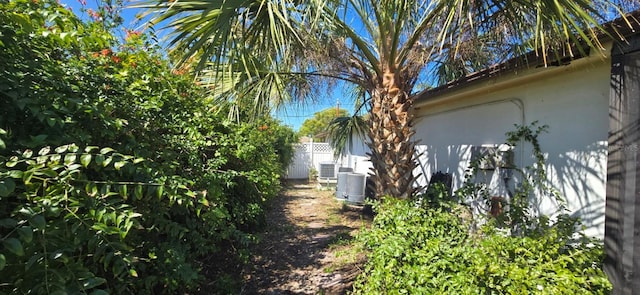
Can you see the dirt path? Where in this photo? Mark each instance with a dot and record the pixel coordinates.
(303, 248)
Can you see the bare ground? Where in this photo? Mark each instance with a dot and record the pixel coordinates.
(304, 249)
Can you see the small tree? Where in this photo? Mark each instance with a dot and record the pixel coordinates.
(318, 125)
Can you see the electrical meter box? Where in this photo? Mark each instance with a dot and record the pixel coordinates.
(490, 157)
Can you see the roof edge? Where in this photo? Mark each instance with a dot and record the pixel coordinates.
(617, 30)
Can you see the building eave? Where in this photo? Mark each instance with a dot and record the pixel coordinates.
(532, 63)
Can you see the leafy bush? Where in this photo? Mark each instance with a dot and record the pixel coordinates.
(418, 250)
(431, 245)
(116, 173)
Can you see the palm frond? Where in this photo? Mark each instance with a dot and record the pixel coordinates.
(543, 25)
(215, 29)
(343, 131)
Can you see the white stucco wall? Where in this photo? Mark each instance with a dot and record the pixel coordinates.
(571, 100)
(356, 156)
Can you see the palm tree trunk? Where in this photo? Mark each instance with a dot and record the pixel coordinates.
(392, 148)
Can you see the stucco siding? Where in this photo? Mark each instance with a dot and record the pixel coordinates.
(572, 101)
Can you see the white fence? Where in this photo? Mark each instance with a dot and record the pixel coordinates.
(309, 155)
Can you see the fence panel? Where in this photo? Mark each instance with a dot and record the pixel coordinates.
(309, 155)
(299, 167)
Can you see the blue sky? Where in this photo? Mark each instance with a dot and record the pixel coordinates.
(292, 115)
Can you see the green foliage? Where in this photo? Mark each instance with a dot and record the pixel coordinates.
(116, 173)
(430, 246)
(421, 250)
(318, 125)
(343, 130)
(63, 231)
(532, 184)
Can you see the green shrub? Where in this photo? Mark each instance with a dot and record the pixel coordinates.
(116, 173)
(416, 250)
(431, 245)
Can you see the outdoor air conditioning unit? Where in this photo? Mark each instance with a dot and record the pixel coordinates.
(351, 187)
(355, 187)
(345, 169)
(341, 186)
(327, 170)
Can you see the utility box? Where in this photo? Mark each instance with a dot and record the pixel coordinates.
(491, 157)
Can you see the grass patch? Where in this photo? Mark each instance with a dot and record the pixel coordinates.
(348, 254)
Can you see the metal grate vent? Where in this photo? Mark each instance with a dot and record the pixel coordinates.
(327, 170)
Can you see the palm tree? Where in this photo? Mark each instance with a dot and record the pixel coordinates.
(270, 51)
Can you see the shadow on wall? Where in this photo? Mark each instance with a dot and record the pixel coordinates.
(453, 160)
(580, 177)
(577, 172)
